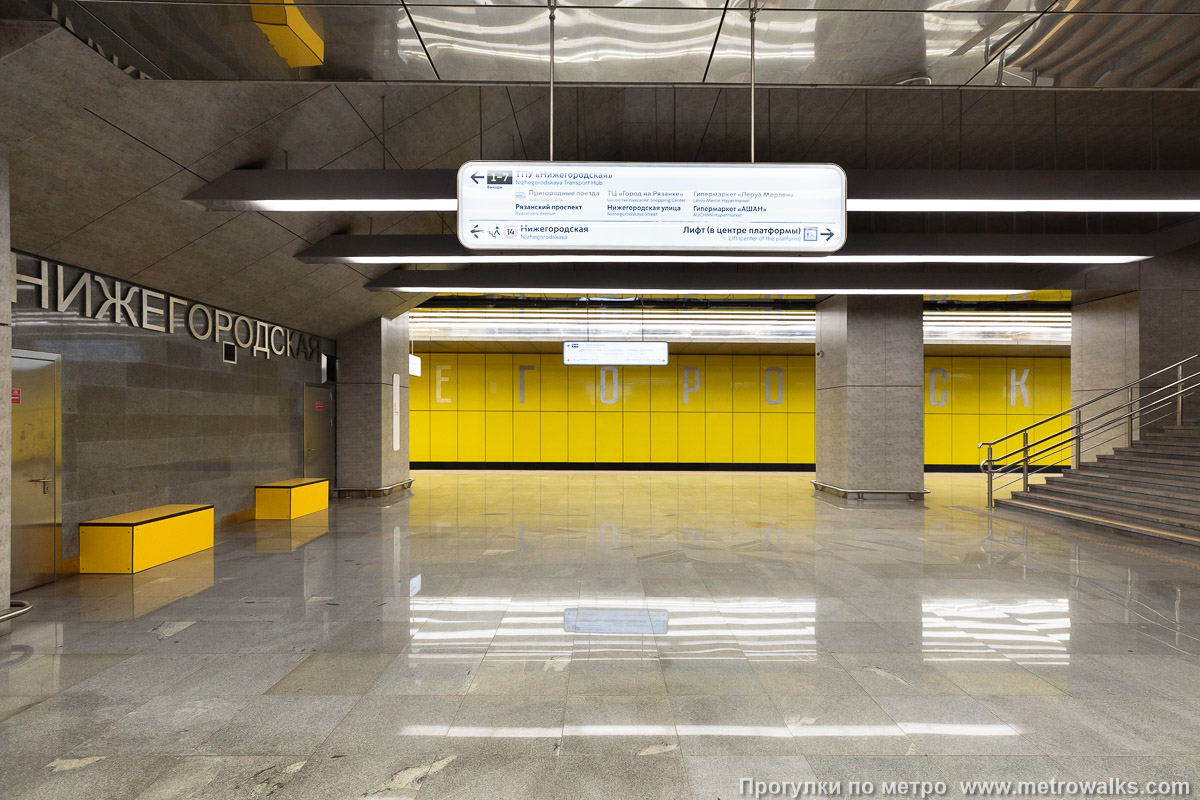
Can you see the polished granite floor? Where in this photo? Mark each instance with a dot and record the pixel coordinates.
(602, 635)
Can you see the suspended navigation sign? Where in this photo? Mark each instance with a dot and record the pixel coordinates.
(533, 205)
(615, 354)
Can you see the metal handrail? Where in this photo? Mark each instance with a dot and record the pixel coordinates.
(1176, 366)
(16, 609)
(1132, 415)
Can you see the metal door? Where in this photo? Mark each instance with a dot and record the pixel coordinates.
(36, 469)
(319, 453)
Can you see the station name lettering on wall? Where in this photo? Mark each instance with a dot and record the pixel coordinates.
(102, 298)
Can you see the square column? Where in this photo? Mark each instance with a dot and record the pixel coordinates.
(869, 377)
(8, 269)
(372, 400)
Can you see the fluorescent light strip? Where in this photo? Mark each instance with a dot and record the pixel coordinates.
(594, 258)
(1078, 205)
(418, 288)
(432, 204)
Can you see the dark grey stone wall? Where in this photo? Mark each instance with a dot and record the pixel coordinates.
(152, 418)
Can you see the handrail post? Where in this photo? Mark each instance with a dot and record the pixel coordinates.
(1129, 419)
(990, 502)
(1078, 437)
(1025, 461)
(1179, 395)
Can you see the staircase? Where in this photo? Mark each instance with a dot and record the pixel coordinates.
(1151, 488)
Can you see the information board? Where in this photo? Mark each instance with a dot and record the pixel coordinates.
(615, 354)
(529, 205)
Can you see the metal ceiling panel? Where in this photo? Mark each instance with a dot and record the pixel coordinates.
(1104, 50)
(235, 41)
(859, 47)
(603, 45)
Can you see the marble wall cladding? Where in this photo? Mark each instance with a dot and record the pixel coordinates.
(150, 418)
(373, 353)
(869, 407)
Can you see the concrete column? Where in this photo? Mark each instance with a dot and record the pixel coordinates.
(368, 358)
(7, 272)
(1121, 338)
(869, 372)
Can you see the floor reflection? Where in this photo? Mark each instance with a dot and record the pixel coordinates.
(607, 634)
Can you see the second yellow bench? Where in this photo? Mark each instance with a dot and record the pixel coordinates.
(290, 499)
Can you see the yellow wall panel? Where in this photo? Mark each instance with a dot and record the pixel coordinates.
(802, 438)
(609, 394)
(443, 382)
(527, 383)
(498, 382)
(735, 409)
(1047, 386)
(609, 438)
(993, 386)
(418, 387)
(692, 385)
(635, 388)
(498, 435)
(527, 436)
(581, 388)
(964, 384)
(746, 378)
(718, 379)
(802, 383)
(553, 384)
(636, 435)
(664, 436)
(691, 438)
(581, 436)
(746, 434)
(418, 436)
(471, 442)
(937, 438)
(964, 436)
(443, 436)
(470, 381)
(773, 438)
(773, 387)
(554, 436)
(664, 387)
(718, 437)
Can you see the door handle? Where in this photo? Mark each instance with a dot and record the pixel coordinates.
(44, 482)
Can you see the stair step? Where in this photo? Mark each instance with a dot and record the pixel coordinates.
(1163, 448)
(1132, 467)
(1191, 431)
(1104, 521)
(1129, 500)
(1137, 516)
(1152, 484)
(1150, 458)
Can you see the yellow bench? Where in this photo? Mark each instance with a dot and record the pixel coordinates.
(290, 499)
(128, 543)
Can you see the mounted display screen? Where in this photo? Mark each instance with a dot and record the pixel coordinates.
(615, 354)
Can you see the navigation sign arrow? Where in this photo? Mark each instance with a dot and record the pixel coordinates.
(475, 177)
(476, 231)
(828, 234)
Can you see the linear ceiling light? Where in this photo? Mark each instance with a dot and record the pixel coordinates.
(896, 191)
(1028, 204)
(622, 258)
(330, 190)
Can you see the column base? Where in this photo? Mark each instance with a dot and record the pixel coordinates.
(877, 494)
(382, 491)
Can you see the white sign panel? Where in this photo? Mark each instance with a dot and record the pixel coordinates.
(615, 354)
(524, 205)
(395, 412)
(414, 365)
